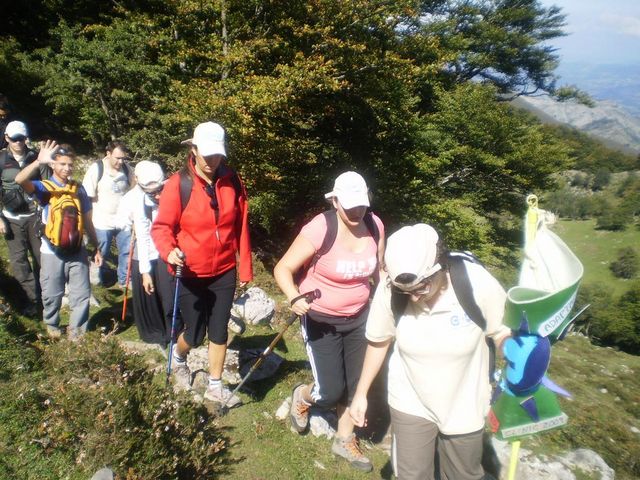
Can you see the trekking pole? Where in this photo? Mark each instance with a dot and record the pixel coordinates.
(309, 297)
(173, 318)
(128, 277)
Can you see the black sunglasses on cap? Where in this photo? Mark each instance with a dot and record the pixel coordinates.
(153, 189)
(62, 152)
(419, 288)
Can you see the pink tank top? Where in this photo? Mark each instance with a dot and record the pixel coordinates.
(342, 276)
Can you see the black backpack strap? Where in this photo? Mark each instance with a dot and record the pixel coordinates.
(237, 186)
(147, 211)
(125, 170)
(100, 171)
(462, 286)
(3, 159)
(464, 293)
(372, 227)
(186, 183)
(329, 239)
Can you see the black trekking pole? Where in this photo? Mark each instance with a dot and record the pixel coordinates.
(309, 297)
(173, 318)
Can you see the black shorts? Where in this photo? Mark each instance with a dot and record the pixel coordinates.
(205, 304)
(336, 352)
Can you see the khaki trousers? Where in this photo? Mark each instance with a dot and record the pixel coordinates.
(418, 448)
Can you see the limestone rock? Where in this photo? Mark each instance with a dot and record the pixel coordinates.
(253, 306)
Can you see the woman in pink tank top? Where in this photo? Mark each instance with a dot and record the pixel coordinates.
(333, 326)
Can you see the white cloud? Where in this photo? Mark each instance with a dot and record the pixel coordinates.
(623, 24)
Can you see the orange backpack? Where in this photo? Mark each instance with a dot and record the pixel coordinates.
(64, 227)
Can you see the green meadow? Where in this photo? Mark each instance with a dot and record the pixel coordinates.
(596, 249)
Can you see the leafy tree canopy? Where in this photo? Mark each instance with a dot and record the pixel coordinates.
(308, 89)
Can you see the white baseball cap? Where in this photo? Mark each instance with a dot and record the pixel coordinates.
(209, 138)
(412, 250)
(16, 129)
(351, 190)
(149, 175)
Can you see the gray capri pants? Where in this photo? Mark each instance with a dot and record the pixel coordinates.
(418, 445)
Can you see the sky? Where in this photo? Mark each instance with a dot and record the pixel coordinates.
(600, 31)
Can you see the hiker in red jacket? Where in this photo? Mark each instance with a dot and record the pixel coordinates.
(202, 224)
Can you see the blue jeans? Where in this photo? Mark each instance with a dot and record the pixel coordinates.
(123, 237)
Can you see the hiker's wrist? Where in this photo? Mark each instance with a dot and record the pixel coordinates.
(296, 299)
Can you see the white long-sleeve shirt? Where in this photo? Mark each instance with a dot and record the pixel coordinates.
(132, 209)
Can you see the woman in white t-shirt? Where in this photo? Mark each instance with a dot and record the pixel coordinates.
(152, 285)
(438, 378)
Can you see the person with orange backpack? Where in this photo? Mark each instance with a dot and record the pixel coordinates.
(66, 216)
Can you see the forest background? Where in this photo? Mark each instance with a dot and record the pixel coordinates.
(412, 94)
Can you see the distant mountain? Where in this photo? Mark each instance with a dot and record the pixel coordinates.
(607, 121)
(620, 83)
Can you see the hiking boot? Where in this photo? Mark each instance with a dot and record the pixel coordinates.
(299, 410)
(349, 449)
(181, 375)
(222, 395)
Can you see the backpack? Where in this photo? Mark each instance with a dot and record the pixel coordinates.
(125, 170)
(330, 235)
(64, 227)
(464, 293)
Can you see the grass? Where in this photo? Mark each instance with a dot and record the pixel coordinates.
(596, 249)
(604, 382)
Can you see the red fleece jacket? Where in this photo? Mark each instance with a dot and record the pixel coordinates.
(209, 246)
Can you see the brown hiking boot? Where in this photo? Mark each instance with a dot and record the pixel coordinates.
(299, 411)
(349, 449)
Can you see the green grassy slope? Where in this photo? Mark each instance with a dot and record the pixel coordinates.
(605, 385)
(596, 249)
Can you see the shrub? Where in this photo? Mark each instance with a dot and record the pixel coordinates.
(601, 179)
(610, 322)
(90, 404)
(627, 263)
(613, 219)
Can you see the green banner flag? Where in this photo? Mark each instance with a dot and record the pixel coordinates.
(549, 279)
(538, 311)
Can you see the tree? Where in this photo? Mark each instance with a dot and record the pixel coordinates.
(307, 90)
(504, 42)
(626, 264)
(104, 80)
(601, 179)
(625, 328)
(613, 218)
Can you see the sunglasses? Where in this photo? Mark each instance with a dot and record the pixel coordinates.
(422, 287)
(211, 191)
(18, 138)
(155, 190)
(62, 152)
